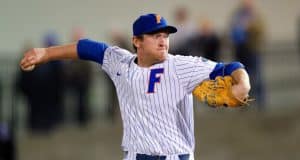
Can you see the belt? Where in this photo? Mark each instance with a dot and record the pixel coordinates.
(159, 157)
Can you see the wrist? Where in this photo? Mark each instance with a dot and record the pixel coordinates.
(46, 56)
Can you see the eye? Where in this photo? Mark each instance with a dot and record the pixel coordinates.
(157, 36)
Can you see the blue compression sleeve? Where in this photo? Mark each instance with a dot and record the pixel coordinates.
(91, 50)
(222, 69)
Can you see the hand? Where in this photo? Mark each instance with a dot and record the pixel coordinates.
(222, 92)
(240, 91)
(32, 58)
(241, 86)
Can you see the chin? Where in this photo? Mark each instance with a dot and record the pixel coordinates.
(163, 53)
(162, 57)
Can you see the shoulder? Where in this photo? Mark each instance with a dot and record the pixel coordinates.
(197, 63)
(116, 58)
(117, 53)
(187, 59)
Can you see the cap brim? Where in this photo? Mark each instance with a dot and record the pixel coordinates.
(169, 29)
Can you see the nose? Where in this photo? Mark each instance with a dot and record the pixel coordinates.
(162, 41)
(161, 44)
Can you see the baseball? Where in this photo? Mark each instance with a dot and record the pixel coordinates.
(30, 68)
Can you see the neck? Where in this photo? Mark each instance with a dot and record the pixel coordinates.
(144, 62)
(146, 59)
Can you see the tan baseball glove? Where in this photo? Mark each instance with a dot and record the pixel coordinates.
(217, 93)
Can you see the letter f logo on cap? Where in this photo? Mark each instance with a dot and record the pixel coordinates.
(158, 18)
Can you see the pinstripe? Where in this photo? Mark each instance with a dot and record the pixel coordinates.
(121, 90)
(150, 115)
(156, 121)
(131, 136)
(164, 110)
(177, 111)
(180, 94)
(144, 88)
(133, 114)
(175, 107)
(160, 122)
(145, 106)
(131, 117)
(139, 120)
(173, 113)
(186, 69)
(125, 119)
(172, 118)
(141, 106)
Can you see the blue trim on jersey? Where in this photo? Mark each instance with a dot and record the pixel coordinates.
(91, 50)
(222, 69)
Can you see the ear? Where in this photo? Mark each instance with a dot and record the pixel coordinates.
(136, 42)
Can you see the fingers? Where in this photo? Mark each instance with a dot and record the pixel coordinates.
(240, 92)
(28, 60)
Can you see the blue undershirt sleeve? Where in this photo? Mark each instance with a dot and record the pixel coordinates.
(222, 69)
(91, 50)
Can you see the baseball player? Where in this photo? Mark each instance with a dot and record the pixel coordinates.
(154, 88)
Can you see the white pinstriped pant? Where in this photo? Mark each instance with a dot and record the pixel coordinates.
(132, 156)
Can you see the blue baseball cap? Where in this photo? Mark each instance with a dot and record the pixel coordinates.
(149, 23)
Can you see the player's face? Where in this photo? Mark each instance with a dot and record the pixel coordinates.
(155, 46)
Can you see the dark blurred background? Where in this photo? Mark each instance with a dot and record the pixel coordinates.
(69, 110)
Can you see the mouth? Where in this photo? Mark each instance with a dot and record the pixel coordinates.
(162, 49)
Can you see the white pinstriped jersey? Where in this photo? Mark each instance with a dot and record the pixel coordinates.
(156, 102)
